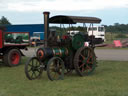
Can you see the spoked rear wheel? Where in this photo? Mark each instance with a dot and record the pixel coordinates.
(33, 68)
(85, 61)
(55, 69)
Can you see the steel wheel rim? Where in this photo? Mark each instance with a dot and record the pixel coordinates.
(33, 68)
(87, 64)
(55, 69)
(86, 61)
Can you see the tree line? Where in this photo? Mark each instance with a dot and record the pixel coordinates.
(117, 28)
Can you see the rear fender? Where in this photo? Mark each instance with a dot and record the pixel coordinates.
(8, 49)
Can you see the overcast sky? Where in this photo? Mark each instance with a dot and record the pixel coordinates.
(30, 11)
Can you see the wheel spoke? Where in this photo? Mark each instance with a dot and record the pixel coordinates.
(38, 71)
(36, 63)
(88, 67)
(55, 75)
(83, 69)
(89, 57)
(82, 56)
(81, 65)
(32, 74)
(32, 62)
(89, 51)
(29, 70)
(35, 73)
(90, 62)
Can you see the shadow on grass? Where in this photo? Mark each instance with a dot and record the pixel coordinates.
(75, 74)
(97, 72)
(23, 62)
(2, 64)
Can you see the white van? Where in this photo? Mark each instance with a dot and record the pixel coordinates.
(98, 32)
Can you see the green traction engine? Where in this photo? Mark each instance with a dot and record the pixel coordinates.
(60, 56)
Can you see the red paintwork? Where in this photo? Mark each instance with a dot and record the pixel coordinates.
(117, 43)
(15, 58)
(17, 45)
(17, 32)
(65, 37)
(1, 43)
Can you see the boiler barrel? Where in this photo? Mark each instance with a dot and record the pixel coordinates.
(43, 53)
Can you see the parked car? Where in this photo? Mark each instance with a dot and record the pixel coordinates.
(36, 42)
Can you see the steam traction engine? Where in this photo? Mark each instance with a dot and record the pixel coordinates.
(60, 56)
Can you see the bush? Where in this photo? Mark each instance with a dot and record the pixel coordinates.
(121, 36)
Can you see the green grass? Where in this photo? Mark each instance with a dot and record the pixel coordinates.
(110, 37)
(109, 79)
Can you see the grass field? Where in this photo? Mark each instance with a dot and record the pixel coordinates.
(113, 36)
(109, 79)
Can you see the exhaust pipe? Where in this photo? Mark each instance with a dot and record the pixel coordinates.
(46, 28)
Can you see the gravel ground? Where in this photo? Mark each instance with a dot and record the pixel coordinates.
(112, 54)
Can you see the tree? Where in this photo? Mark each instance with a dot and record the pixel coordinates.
(116, 24)
(117, 28)
(121, 36)
(4, 21)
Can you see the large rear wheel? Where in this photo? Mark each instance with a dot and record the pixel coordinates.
(84, 61)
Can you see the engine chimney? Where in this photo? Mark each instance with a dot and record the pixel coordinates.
(46, 28)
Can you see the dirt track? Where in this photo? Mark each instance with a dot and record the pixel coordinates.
(102, 54)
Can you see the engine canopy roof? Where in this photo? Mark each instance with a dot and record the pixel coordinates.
(63, 19)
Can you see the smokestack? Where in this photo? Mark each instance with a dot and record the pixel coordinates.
(46, 28)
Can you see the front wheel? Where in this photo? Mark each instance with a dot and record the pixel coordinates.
(33, 68)
(55, 68)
